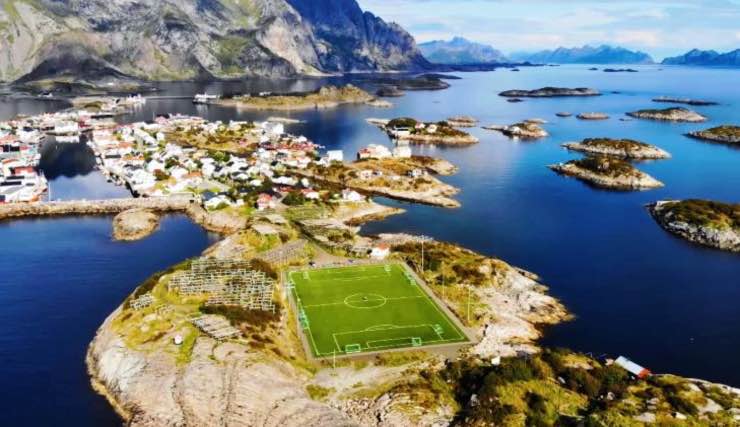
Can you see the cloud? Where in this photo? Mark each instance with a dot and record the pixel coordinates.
(660, 27)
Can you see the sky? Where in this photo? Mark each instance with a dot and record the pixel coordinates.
(659, 27)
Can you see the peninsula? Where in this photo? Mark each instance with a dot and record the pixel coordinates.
(726, 134)
(674, 114)
(325, 98)
(418, 132)
(623, 148)
(708, 223)
(549, 92)
(610, 173)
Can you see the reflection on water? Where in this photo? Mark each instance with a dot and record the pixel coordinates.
(66, 159)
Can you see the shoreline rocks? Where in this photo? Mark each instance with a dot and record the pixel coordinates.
(549, 92)
(707, 223)
(417, 132)
(609, 173)
(389, 92)
(134, 224)
(726, 134)
(673, 114)
(623, 148)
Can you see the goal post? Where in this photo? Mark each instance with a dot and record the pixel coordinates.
(416, 342)
(305, 275)
(352, 348)
(387, 268)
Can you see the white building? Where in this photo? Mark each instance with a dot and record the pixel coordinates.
(335, 155)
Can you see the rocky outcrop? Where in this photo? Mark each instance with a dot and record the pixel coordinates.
(593, 116)
(727, 134)
(96, 41)
(523, 130)
(687, 101)
(222, 384)
(707, 223)
(623, 148)
(549, 92)
(134, 224)
(462, 121)
(676, 114)
(608, 173)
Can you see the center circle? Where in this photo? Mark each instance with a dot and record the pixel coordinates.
(363, 300)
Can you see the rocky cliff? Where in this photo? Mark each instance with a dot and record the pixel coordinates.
(102, 41)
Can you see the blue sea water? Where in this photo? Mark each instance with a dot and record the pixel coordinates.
(635, 290)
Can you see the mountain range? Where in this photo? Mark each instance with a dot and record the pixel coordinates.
(603, 54)
(706, 58)
(460, 51)
(95, 40)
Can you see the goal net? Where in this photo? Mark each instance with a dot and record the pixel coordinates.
(352, 348)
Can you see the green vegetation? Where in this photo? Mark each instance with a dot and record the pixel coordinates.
(726, 133)
(603, 165)
(238, 315)
(620, 144)
(705, 213)
(316, 392)
(550, 390)
(368, 308)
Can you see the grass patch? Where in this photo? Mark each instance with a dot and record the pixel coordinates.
(317, 392)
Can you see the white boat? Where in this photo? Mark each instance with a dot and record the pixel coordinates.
(204, 98)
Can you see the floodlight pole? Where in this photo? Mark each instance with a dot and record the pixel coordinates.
(468, 304)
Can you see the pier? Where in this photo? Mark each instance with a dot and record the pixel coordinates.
(96, 207)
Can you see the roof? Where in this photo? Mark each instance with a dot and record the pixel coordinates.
(632, 367)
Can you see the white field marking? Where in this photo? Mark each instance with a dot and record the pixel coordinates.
(444, 316)
(329, 304)
(423, 325)
(424, 343)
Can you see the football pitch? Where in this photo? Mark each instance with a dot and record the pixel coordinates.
(367, 308)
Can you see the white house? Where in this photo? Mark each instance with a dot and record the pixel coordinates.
(335, 155)
(380, 252)
(352, 196)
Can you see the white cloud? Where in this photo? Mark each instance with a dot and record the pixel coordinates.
(638, 38)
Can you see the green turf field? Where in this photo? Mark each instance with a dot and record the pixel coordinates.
(366, 308)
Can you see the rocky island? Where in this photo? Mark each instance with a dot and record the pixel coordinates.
(524, 130)
(687, 101)
(705, 222)
(727, 134)
(623, 148)
(134, 224)
(462, 121)
(418, 132)
(325, 98)
(674, 114)
(610, 173)
(593, 116)
(549, 92)
(157, 367)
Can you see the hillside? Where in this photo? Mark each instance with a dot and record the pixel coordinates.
(586, 55)
(460, 51)
(100, 40)
(706, 58)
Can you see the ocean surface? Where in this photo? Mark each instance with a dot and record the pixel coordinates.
(635, 290)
